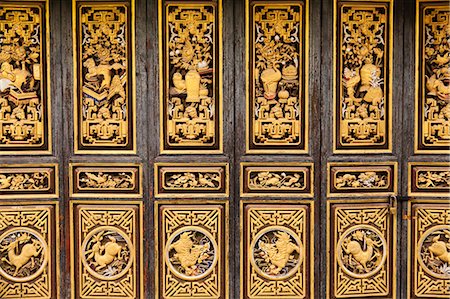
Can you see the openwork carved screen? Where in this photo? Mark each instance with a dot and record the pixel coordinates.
(363, 46)
(277, 77)
(433, 93)
(24, 84)
(191, 103)
(104, 90)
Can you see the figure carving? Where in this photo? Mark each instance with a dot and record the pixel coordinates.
(18, 258)
(278, 254)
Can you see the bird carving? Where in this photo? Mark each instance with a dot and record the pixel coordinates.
(189, 254)
(278, 254)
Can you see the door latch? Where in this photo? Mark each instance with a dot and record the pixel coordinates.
(393, 204)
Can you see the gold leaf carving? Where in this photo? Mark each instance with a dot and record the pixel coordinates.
(277, 180)
(109, 180)
(23, 90)
(189, 180)
(25, 181)
(368, 179)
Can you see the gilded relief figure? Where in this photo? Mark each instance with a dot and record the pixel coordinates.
(104, 80)
(22, 102)
(436, 76)
(191, 98)
(276, 95)
(434, 252)
(363, 104)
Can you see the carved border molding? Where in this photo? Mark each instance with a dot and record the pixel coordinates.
(429, 179)
(113, 180)
(176, 180)
(29, 181)
(276, 179)
(361, 178)
(274, 231)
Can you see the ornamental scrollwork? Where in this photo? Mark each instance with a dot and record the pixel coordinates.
(434, 72)
(430, 274)
(27, 252)
(23, 71)
(191, 100)
(106, 251)
(363, 104)
(191, 252)
(104, 74)
(275, 262)
(277, 96)
(362, 251)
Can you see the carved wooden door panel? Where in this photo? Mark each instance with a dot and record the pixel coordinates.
(224, 149)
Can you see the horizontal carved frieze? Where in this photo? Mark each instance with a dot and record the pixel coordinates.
(192, 250)
(29, 180)
(429, 179)
(276, 179)
(106, 249)
(357, 178)
(105, 180)
(191, 179)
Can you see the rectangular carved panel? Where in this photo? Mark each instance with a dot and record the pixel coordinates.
(29, 250)
(24, 78)
(191, 180)
(106, 255)
(362, 238)
(104, 79)
(105, 180)
(361, 178)
(276, 250)
(192, 246)
(29, 180)
(429, 251)
(276, 179)
(429, 179)
(433, 94)
(191, 76)
(363, 48)
(277, 103)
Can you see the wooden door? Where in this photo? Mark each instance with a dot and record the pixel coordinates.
(224, 149)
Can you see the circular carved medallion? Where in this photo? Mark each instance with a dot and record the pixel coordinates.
(276, 252)
(23, 254)
(361, 251)
(433, 251)
(191, 253)
(107, 253)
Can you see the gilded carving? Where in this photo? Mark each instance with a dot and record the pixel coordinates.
(363, 101)
(434, 75)
(275, 251)
(362, 248)
(107, 179)
(430, 251)
(27, 252)
(429, 178)
(195, 179)
(24, 97)
(104, 105)
(25, 181)
(191, 100)
(106, 247)
(277, 180)
(192, 251)
(277, 113)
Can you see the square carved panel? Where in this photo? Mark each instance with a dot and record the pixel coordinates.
(429, 250)
(29, 250)
(361, 244)
(276, 249)
(192, 247)
(106, 255)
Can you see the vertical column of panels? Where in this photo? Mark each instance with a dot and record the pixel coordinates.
(29, 249)
(106, 249)
(362, 76)
(192, 249)
(432, 77)
(361, 243)
(277, 76)
(24, 78)
(429, 249)
(191, 76)
(277, 244)
(104, 103)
